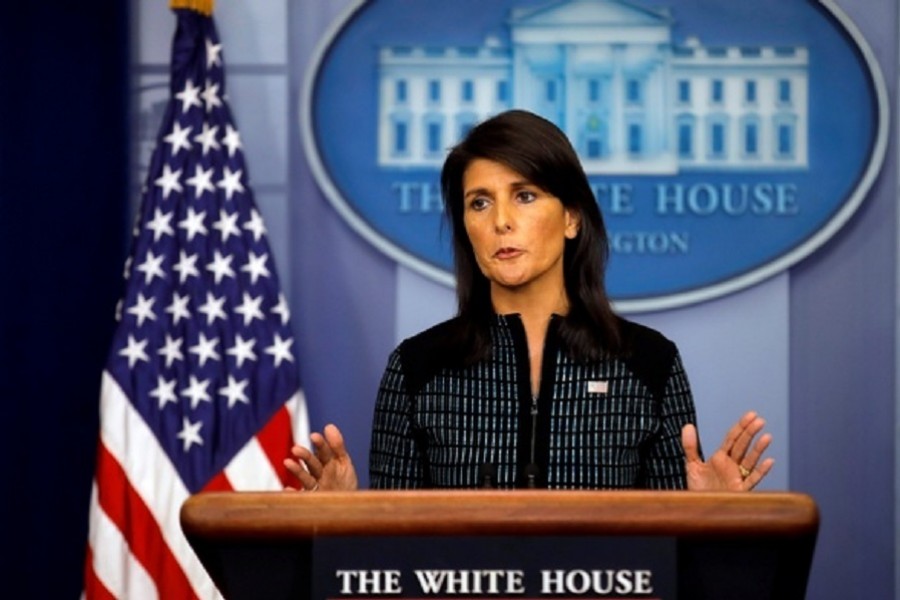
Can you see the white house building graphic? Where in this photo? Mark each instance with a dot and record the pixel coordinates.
(609, 73)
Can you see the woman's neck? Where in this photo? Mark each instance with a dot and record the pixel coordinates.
(533, 305)
(535, 308)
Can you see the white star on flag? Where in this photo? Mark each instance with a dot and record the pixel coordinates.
(280, 349)
(212, 54)
(201, 181)
(164, 391)
(220, 266)
(234, 391)
(231, 182)
(207, 138)
(186, 266)
(178, 138)
(142, 309)
(152, 267)
(211, 96)
(197, 391)
(205, 349)
(281, 309)
(227, 224)
(189, 96)
(169, 181)
(134, 351)
(256, 266)
(231, 140)
(171, 350)
(178, 308)
(213, 308)
(255, 225)
(250, 309)
(190, 433)
(192, 224)
(242, 350)
(160, 225)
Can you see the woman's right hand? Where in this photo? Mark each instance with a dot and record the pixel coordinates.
(328, 468)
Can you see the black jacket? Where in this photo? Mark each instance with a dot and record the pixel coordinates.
(608, 424)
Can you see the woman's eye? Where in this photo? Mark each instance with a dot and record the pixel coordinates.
(478, 203)
(526, 196)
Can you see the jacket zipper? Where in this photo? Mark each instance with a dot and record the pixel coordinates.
(531, 473)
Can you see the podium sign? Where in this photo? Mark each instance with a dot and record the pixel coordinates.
(504, 544)
(494, 567)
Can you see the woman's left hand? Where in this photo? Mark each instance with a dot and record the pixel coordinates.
(736, 465)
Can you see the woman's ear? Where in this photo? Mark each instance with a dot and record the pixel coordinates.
(573, 223)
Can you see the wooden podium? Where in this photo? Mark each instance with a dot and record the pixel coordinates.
(720, 545)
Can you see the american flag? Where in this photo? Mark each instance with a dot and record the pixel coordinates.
(200, 390)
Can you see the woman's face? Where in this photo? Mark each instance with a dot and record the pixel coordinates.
(518, 231)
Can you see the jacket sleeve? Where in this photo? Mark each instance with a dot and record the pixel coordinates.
(395, 460)
(663, 462)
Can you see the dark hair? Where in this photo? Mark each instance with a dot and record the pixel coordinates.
(539, 151)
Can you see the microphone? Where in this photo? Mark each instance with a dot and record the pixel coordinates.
(487, 473)
(531, 474)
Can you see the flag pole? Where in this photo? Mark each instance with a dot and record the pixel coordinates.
(201, 6)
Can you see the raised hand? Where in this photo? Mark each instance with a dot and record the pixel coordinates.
(328, 467)
(736, 465)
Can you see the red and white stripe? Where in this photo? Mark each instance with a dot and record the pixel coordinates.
(136, 548)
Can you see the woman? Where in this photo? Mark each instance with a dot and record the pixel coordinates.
(536, 382)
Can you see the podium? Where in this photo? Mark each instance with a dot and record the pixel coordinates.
(494, 543)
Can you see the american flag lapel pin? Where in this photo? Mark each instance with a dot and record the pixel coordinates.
(598, 387)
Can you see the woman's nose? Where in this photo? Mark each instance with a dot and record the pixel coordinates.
(503, 217)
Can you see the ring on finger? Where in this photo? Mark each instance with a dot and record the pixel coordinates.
(745, 472)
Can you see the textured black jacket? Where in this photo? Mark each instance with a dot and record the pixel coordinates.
(608, 424)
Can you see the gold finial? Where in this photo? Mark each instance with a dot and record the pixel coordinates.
(201, 6)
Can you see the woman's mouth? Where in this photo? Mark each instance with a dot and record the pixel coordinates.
(507, 253)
